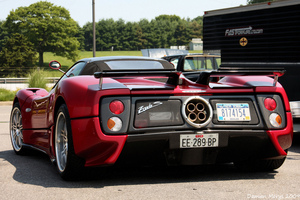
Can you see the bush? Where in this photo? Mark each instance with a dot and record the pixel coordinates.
(37, 79)
(7, 95)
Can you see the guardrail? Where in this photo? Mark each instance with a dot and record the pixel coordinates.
(24, 80)
(14, 84)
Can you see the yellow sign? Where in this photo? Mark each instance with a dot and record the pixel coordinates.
(243, 41)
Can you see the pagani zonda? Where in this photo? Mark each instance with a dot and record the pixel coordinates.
(109, 109)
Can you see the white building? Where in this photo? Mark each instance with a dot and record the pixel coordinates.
(196, 44)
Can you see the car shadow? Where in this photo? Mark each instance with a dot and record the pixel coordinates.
(37, 169)
(296, 144)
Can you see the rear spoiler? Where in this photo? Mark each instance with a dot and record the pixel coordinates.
(173, 76)
(204, 77)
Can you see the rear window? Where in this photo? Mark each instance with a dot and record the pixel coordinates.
(134, 65)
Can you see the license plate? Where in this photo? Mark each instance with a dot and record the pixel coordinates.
(233, 112)
(199, 140)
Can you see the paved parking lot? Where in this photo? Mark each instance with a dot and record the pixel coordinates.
(34, 177)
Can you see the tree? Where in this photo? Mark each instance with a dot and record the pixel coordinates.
(171, 18)
(139, 38)
(88, 36)
(106, 31)
(145, 26)
(17, 56)
(80, 37)
(3, 34)
(196, 29)
(198, 19)
(183, 33)
(50, 28)
(257, 1)
(121, 34)
(162, 32)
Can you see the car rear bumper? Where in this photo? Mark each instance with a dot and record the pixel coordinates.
(98, 149)
(233, 145)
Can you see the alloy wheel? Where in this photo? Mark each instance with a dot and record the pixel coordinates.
(61, 142)
(16, 128)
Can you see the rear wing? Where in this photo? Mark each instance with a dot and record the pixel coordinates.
(204, 77)
(173, 76)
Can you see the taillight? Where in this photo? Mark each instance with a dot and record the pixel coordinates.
(272, 110)
(275, 120)
(114, 124)
(115, 114)
(270, 104)
(116, 107)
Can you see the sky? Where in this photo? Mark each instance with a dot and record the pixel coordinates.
(129, 10)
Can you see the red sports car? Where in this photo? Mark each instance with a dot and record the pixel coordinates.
(109, 109)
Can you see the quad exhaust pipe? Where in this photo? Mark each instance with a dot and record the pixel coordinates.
(192, 107)
(196, 112)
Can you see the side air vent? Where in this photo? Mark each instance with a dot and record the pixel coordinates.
(197, 112)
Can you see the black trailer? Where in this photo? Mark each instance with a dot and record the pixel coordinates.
(259, 36)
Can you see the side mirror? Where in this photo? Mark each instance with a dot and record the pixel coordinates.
(55, 65)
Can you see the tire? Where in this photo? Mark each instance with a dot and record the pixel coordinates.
(68, 164)
(16, 130)
(260, 165)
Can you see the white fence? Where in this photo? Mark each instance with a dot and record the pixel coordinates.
(21, 83)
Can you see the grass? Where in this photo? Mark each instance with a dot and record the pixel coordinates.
(7, 95)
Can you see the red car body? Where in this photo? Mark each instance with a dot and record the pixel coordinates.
(88, 98)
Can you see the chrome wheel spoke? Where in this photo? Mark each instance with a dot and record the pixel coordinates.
(14, 127)
(64, 156)
(15, 119)
(16, 141)
(65, 139)
(64, 159)
(14, 134)
(19, 142)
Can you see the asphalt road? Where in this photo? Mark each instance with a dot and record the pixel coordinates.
(34, 177)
